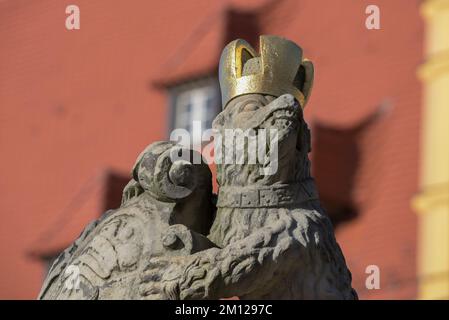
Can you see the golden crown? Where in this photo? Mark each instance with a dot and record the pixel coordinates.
(279, 69)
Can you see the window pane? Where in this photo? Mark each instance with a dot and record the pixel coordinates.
(196, 104)
(211, 108)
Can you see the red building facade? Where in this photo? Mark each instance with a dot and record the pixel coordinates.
(77, 106)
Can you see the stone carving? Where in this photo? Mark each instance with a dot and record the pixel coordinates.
(270, 238)
(166, 210)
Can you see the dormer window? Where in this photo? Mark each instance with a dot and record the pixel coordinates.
(197, 101)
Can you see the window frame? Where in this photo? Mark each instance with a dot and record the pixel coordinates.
(185, 92)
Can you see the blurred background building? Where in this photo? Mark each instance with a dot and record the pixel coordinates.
(77, 107)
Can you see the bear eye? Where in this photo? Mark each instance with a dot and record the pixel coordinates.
(250, 106)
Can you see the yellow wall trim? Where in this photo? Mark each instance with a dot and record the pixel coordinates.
(431, 7)
(432, 204)
(431, 198)
(435, 67)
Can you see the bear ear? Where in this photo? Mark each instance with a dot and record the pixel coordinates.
(308, 80)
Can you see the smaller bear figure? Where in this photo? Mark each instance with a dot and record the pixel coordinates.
(166, 210)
